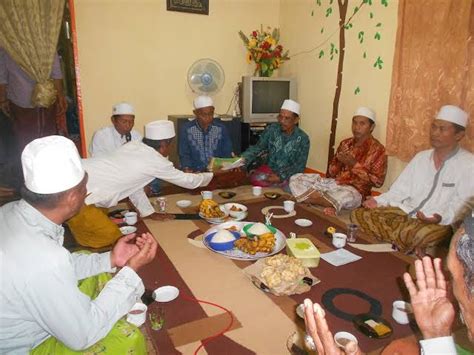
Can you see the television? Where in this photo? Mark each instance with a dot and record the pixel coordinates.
(262, 97)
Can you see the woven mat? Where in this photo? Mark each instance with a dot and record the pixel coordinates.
(263, 321)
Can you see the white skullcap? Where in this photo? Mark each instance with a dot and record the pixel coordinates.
(202, 101)
(292, 106)
(123, 108)
(366, 112)
(158, 130)
(453, 114)
(51, 165)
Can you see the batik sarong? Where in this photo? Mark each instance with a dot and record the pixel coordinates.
(391, 224)
(339, 196)
(123, 338)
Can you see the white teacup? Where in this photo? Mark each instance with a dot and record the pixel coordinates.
(342, 338)
(289, 206)
(339, 240)
(137, 315)
(131, 218)
(400, 312)
(256, 190)
(206, 195)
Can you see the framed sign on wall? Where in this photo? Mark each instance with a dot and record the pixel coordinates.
(191, 6)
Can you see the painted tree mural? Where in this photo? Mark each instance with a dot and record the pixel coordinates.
(334, 50)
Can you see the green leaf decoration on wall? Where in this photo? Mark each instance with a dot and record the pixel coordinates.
(322, 29)
(357, 91)
(328, 11)
(371, 15)
(364, 55)
(318, 2)
(367, 2)
(348, 26)
(330, 2)
(361, 36)
(321, 54)
(356, 9)
(384, 2)
(378, 25)
(378, 63)
(377, 36)
(312, 13)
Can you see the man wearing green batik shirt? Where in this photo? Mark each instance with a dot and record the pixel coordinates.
(286, 147)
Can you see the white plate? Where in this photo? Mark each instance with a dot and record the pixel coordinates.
(302, 222)
(183, 203)
(165, 294)
(237, 254)
(128, 230)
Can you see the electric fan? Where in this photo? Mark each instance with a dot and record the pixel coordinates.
(206, 77)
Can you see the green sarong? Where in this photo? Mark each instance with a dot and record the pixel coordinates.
(123, 338)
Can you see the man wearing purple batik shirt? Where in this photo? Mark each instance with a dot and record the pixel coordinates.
(16, 89)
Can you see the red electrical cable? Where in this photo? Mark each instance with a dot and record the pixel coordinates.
(226, 329)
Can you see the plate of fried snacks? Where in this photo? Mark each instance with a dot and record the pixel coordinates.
(262, 244)
(281, 275)
(212, 212)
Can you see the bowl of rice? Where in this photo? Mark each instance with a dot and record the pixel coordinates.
(222, 240)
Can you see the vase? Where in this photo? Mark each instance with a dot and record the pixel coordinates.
(265, 72)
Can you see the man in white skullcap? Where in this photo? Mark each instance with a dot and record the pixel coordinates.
(124, 173)
(429, 195)
(360, 163)
(55, 302)
(285, 145)
(109, 138)
(203, 138)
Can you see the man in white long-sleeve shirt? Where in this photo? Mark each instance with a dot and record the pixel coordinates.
(124, 173)
(429, 297)
(110, 138)
(430, 194)
(42, 306)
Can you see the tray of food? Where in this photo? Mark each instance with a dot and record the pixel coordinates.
(261, 243)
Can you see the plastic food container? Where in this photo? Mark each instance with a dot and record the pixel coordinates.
(304, 250)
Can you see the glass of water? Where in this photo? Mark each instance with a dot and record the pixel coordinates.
(352, 232)
(157, 318)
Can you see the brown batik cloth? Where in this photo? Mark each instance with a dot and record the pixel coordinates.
(391, 224)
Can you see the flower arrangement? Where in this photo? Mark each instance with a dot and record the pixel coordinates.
(263, 48)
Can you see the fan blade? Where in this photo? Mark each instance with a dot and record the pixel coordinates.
(196, 78)
(208, 88)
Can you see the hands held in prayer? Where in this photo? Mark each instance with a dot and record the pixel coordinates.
(128, 247)
(161, 216)
(317, 328)
(434, 219)
(370, 202)
(147, 246)
(434, 312)
(346, 159)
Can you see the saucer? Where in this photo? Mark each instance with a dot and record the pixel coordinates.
(128, 230)
(165, 293)
(302, 222)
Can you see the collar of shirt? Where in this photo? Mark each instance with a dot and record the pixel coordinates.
(35, 218)
(202, 129)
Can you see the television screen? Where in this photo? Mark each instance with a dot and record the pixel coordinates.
(268, 95)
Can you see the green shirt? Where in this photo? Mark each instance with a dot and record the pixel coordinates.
(287, 154)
